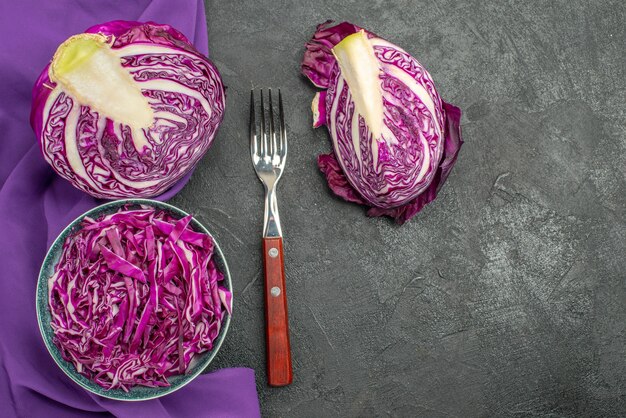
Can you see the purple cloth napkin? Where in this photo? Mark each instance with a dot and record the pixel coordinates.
(36, 204)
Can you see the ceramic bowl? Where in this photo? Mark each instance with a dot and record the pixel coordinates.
(136, 393)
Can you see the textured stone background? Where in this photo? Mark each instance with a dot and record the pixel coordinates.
(507, 296)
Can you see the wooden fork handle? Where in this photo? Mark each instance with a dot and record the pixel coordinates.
(279, 372)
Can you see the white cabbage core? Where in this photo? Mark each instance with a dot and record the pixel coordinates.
(88, 70)
(361, 70)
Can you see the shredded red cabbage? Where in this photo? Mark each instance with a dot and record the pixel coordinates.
(135, 296)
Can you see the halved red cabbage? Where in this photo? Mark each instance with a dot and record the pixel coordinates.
(135, 296)
(394, 140)
(126, 109)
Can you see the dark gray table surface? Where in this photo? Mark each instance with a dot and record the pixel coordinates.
(507, 296)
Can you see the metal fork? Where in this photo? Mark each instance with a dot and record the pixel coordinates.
(269, 152)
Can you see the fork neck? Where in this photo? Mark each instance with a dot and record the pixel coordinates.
(271, 222)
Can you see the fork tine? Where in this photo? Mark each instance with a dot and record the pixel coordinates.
(254, 149)
(272, 138)
(263, 135)
(283, 131)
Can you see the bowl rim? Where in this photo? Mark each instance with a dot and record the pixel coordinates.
(43, 282)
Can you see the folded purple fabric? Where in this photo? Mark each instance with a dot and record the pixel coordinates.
(36, 204)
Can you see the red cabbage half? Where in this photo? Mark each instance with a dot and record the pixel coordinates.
(135, 296)
(126, 109)
(394, 139)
